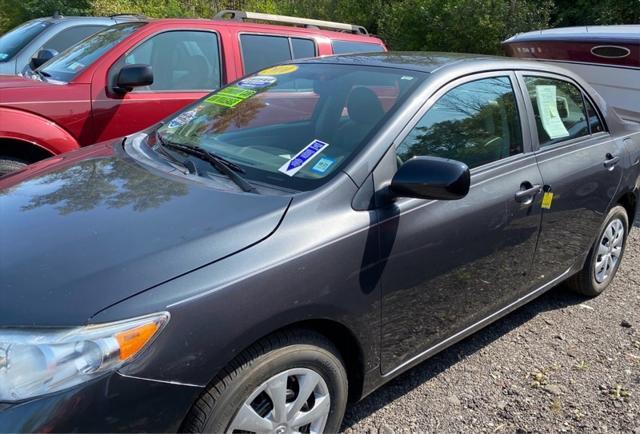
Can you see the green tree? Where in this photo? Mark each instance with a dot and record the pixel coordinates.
(13, 12)
(595, 12)
(460, 25)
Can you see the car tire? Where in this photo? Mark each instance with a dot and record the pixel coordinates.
(299, 356)
(594, 278)
(10, 164)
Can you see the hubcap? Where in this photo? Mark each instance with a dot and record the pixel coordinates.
(609, 251)
(293, 401)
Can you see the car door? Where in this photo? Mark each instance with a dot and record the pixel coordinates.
(186, 66)
(450, 264)
(580, 164)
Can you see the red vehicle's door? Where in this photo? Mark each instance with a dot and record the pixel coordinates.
(187, 64)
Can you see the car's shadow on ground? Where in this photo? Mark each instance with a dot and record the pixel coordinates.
(556, 298)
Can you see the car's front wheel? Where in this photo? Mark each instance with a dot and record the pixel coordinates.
(605, 256)
(294, 381)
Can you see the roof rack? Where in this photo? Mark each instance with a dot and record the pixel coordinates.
(230, 14)
(128, 15)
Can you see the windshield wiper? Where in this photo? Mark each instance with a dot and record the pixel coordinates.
(221, 164)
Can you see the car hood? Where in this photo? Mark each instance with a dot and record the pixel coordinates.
(15, 82)
(95, 227)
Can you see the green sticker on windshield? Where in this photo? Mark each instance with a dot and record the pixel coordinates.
(223, 100)
(230, 96)
(237, 92)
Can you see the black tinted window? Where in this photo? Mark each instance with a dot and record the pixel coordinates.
(476, 123)
(180, 60)
(558, 108)
(259, 52)
(303, 48)
(342, 47)
(594, 120)
(70, 36)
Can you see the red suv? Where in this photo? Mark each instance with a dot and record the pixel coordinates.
(131, 75)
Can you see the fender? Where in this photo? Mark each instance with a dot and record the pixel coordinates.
(39, 131)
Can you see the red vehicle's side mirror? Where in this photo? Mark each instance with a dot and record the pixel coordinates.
(131, 76)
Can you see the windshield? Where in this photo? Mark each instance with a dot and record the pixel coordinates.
(15, 40)
(294, 126)
(76, 58)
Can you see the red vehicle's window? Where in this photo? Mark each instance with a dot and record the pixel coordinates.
(261, 51)
(181, 60)
(344, 47)
(270, 122)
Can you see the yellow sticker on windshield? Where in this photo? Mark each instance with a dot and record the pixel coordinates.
(547, 200)
(279, 70)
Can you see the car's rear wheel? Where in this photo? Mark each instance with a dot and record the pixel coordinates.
(292, 381)
(10, 164)
(605, 256)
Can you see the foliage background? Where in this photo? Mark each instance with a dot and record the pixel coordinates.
(438, 25)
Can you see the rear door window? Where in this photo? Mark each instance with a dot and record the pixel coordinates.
(559, 110)
(343, 47)
(259, 52)
(303, 48)
(595, 124)
(262, 51)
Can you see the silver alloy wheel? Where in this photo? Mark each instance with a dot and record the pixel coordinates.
(293, 401)
(609, 250)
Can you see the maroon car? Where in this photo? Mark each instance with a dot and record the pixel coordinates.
(608, 57)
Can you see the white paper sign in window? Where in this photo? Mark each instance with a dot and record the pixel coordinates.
(548, 109)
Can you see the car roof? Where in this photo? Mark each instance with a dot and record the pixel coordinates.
(626, 32)
(90, 19)
(267, 28)
(431, 62)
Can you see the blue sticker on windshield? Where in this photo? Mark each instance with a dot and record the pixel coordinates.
(323, 165)
(182, 119)
(257, 82)
(303, 157)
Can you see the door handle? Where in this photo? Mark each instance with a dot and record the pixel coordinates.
(527, 193)
(611, 161)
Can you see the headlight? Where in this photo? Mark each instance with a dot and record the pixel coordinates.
(34, 362)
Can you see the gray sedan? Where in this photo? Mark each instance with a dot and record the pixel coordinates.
(300, 237)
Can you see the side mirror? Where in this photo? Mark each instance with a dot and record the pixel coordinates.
(432, 178)
(131, 76)
(42, 57)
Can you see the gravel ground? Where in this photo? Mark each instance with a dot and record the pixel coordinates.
(561, 363)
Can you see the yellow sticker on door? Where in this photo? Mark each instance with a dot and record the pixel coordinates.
(547, 200)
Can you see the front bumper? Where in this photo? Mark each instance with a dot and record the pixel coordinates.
(110, 404)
